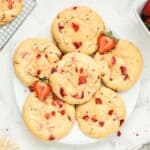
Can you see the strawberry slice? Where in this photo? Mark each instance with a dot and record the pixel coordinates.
(41, 89)
(146, 9)
(10, 4)
(105, 43)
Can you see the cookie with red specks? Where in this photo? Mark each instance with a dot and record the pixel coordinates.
(9, 10)
(103, 115)
(75, 78)
(121, 67)
(32, 59)
(48, 120)
(76, 29)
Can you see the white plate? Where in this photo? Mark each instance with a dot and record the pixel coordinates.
(76, 136)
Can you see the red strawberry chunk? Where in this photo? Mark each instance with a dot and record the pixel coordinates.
(121, 122)
(113, 60)
(98, 101)
(53, 113)
(75, 27)
(10, 4)
(123, 70)
(94, 119)
(60, 103)
(81, 70)
(31, 88)
(51, 138)
(82, 80)
(38, 56)
(47, 116)
(74, 8)
(110, 112)
(41, 89)
(53, 70)
(146, 9)
(105, 43)
(62, 92)
(77, 45)
(147, 20)
(101, 123)
(38, 72)
(86, 117)
(118, 133)
(60, 27)
(62, 112)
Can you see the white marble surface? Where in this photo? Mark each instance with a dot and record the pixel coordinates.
(137, 128)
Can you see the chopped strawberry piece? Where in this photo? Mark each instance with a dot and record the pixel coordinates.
(86, 117)
(62, 92)
(10, 4)
(62, 112)
(47, 116)
(82, 80)
(123, 70)
(118, 133)
(60, 27)
(94, 119)
(110, 112)
(75, 27)
(105, 44)
(77, 45)
(81, 70)
(121, 122)
(51, 138)
(38, 56)
(98, 101)
(101, 123)
(60, 103)
(113, 60)
(77, 96)
(74, 8)
(146, 9)
(38, 72)
(53, 113)
(41, 89)
(53, 70)
(55, 97)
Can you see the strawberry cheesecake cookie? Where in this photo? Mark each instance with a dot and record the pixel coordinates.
(120, 62)
(49, 119)
(33, 58)
(75, 78)
(103, 115)
(9, 10)
(76, 29)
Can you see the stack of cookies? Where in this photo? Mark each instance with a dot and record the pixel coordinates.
(76, 77)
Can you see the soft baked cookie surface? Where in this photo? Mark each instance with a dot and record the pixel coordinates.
(48, 120)
(103, 115)
(77, 29)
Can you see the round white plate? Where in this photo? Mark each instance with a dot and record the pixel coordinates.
(76, 136)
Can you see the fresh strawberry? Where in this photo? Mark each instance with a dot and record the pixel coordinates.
(41, 89)
(105, 43)
(146, 9)
(147, 21)
(10, 4)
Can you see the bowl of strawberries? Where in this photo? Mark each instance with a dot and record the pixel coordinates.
(142, 13)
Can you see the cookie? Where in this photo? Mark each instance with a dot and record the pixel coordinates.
(120, 67)
(75, 78)
(33, 58)
(103, 115)
(76, 29)
(9, 10)
(48, 120)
